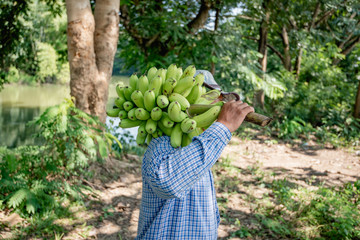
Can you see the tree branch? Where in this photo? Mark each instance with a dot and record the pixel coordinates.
(324, 17)
(276, 52)
(243, 17)
(315, 15)
(352, 45)
(348, 49)
(201, 17)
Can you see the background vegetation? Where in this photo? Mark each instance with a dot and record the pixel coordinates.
(297, 61)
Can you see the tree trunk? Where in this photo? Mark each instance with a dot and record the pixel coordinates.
(92, 43)
(263, 32)
(357, 103)
(287, 57)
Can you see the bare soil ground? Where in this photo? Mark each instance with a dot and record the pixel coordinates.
(114, 212)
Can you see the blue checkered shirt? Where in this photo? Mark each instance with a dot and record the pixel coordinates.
(178, 196)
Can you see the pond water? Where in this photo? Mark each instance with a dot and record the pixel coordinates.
(20, 104)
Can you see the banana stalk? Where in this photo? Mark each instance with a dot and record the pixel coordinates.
(256, 118)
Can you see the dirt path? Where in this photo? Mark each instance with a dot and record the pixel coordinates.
(305, 166)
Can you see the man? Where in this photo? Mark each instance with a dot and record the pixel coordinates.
(178, 196)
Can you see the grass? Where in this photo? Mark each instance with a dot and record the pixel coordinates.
(282, 209)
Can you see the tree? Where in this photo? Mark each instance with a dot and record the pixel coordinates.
(18, 34)
(92, 44)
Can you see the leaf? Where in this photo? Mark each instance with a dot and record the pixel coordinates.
(62, 126)
(18, 197)
(102, 147)
(11, 162)
(31, 204)
(109, 135)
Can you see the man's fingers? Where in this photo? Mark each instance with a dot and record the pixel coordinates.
(248, 110)
(242, 106)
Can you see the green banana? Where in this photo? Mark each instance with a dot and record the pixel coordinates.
(131, 114)
(171, 71)
(138, 98)
(142, 130)
(142, 114)
(122, 114)
(156, 114)
(207, 118)
(127, 92)
(119, 102)
(120, 91)
(175, 97)
(133, 81)
(183, 84)
(151, 73)
(176, 136)
(179, 73)
(155, 85)
(143, 84)
(186, 92)
(166, 121)
(162, 73)
(157, 133)
(162, 101)
(188, 125)
(149, 100)
(209, 97)
(195, 133)
(150, 126)
(175, 113)
(140, 139)
(185, 140)
(199, 79)
(212, 94)
(195, 93)
(203, 90)
(165, 130)
(127, 123)
(148, 139)
(128, 106)
(168, 86)
(113, 112)
(189, 71)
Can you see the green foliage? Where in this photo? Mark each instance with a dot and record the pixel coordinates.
(326, 213)
(63, 76)
(12, 75)
(125, 141)
(46, 60)
(35, 178)
(25, 24)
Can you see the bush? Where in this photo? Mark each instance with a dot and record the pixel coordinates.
(13, 75)
(63, 76)
(46, 59)
(33, 178)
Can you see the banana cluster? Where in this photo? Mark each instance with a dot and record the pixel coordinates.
(157, 103)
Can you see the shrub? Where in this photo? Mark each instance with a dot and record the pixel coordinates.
(46, 59)
(63, 76)
(33, 177)
(13, 75)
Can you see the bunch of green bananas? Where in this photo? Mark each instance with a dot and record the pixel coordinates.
(157, 101)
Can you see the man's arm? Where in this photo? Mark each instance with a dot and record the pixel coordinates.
(172, 174)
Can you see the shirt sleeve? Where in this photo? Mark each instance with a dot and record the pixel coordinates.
(171, 174)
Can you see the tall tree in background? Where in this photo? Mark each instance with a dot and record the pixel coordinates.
(92, 44)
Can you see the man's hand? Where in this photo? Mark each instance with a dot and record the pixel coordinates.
(233, 114)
